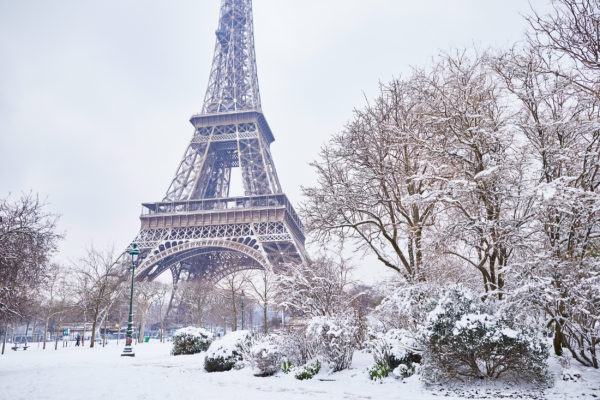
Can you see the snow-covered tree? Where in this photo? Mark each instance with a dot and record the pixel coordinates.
(561, 122)
(486, 206)
(28, 238)
(315, 288)
(571, 32)
(375, 183)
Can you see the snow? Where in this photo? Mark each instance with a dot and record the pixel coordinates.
(193, 331)
(101, 373)
(228, 344)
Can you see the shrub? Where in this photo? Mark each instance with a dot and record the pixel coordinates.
(463, 339)
(333, 339)
(224, 354)
(308, 371)
(394, 348)
(191, 340)
(379, 371)
(265, 355)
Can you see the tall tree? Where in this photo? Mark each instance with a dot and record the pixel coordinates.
(375, 182)
(28, 238)
(571, 32)
(561, 121)
(318, 288)
(232, 286)
(147, 293)
(264, 289)
(99, 277)
(487, 207)
(198, 296)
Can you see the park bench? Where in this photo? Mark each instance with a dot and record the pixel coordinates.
(16, 347)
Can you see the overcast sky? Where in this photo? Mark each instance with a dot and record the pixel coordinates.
(95, 96)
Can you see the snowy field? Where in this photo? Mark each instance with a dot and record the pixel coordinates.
(100, 373)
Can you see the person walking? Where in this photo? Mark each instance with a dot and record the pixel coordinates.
(77, 338)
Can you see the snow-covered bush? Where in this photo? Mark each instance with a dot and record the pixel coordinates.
(191, 340)
(464, 339)
(395, 347)
(224, 354)
(332, 339)
(266, 356)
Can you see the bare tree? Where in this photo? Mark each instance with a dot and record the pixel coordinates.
(374, 182)
(560, 121)
(220, 309)
(232, 286)
(28, 238)
(99, 277)
(55, 292)
(486, 206)
(198, 296)
(264, 290)
(318, 288)
(571, 32)
(147, 294)
(160, 306)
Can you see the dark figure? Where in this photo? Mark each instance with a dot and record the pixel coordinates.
(77, 340)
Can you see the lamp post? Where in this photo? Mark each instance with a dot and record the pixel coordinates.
(128, 350)
(242, 310)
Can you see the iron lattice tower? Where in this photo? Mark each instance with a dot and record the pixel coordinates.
(198, 230)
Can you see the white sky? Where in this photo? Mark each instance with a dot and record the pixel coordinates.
(95, 96)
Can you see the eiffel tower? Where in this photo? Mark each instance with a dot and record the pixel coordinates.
(198, 230)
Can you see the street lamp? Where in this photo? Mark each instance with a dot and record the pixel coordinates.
(128, 350)
(242, 310)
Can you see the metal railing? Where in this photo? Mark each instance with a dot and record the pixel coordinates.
(231, 203)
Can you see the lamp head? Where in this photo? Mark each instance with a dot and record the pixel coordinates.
(134, 251)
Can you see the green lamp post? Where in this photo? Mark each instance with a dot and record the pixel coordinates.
(128, 350)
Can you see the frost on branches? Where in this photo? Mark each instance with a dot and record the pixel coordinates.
(316, 288)
(332, 340)
(191, 340)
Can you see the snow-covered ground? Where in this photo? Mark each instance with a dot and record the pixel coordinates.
(101, 373)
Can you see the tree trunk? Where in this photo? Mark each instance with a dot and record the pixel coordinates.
(4, 338)
(57, 333)
(162, 329)
(94, 322)
(83, 336)
(265, 323)
(45, 334)
(33, 331)
(234, 323)
(558, 340)
(143, 323)
(104, 337)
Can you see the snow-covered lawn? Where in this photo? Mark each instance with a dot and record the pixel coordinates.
(101, 373)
